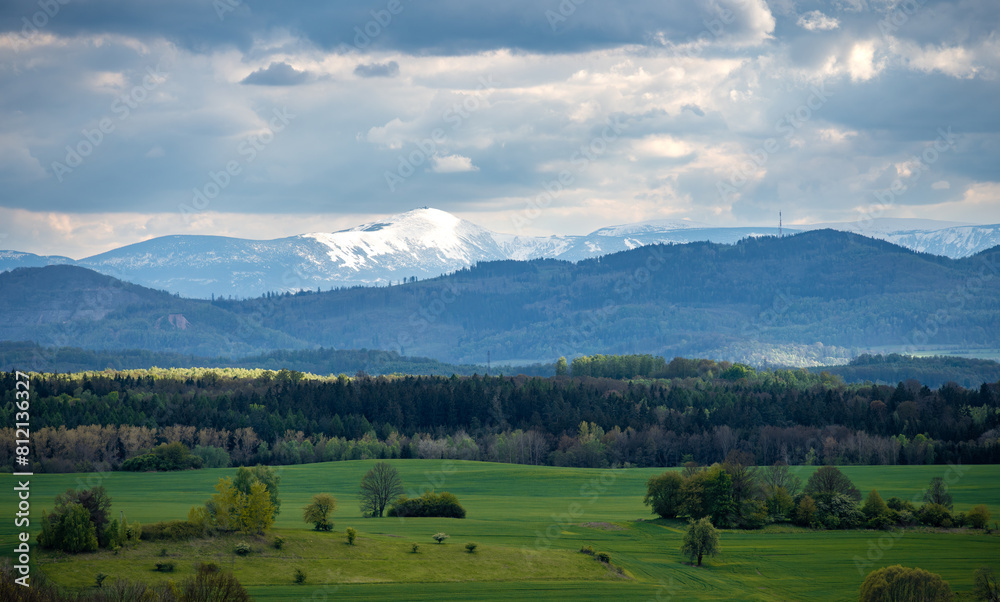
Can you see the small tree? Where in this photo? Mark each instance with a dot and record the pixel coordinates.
(701, 538)
(805, 512)
(828, 481)
(471, 547)
(318, 512)
(352, 534)
(257, 511)
(663, 494)
(937, 493)
(978, 517)
(439, 537)
(987, 587)
(903, 583)
(876, 511)
(379, 487)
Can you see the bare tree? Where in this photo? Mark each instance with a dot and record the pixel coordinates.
(379, 487)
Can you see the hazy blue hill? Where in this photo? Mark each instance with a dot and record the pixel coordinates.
(768, 299)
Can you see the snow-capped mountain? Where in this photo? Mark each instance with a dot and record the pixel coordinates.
(426, 243)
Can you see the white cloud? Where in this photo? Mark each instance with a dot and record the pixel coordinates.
(452, 164)
(861, 64)
(816, 20)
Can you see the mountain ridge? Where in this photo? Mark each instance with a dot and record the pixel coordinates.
(420, 244)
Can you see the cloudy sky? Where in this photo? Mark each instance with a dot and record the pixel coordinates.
(125, 120)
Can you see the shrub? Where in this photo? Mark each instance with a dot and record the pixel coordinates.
(933, 515)
(903, 583)
(470, 547)
(174, 530)
(429, 504)
(210, 585)
(68, 529)
(352, 534)
(439, 537)
(206, 567)
(278, 543)
(165, 567)
(978, 517)
(242, 549)
(603, 557)
(99, 579)
(587, 550)
(900, 505)
(416, 548)
(300, 577)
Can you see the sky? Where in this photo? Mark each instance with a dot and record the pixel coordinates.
(121, 121)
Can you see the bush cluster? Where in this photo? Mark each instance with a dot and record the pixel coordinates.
(429, 504)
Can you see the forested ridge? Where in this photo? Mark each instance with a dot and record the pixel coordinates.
(818, 296)
(700, 412)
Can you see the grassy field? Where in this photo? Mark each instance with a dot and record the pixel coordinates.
(529, 523)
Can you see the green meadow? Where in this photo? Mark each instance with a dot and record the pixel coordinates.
(529, 523)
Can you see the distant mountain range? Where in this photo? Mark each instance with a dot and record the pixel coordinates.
(425, 243)
(818, 297)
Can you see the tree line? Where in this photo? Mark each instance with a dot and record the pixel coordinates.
(99, 420)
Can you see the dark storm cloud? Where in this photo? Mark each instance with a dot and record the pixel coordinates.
(390, 69)
(277, 74)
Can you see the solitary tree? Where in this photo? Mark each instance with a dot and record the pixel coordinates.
(318, 512)
(937, 493)
(701, 538)
(379, 487)
(903, 583)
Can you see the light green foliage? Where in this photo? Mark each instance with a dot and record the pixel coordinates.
(319, 510)
(351, 534)
(439, 537)
(701, 538)
(978, 517)
(902, 583)
(256, 510)
(245, 478)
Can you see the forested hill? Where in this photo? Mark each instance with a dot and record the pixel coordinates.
(722, 301)
(807, 298)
